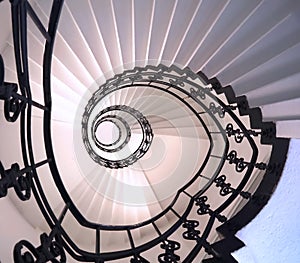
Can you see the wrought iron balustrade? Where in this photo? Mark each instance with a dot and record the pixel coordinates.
(216, 109)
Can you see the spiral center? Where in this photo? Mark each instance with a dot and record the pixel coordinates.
(108, 138)
(107, 133)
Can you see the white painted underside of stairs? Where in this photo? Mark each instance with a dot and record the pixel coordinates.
(252, 45)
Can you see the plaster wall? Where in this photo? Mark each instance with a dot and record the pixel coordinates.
(13, 228)
(274, 235)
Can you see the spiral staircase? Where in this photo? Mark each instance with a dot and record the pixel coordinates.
(138, 150)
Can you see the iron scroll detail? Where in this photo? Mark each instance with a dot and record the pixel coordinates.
(50, 250)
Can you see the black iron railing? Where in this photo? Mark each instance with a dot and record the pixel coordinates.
(212, 102)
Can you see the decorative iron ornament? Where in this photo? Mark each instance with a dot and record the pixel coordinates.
(227, 189)
(8, 92)
(20, 180)
(215, 110)
(51, 249)
(204, 209)
(241, 164)
(170, 255)
(13, 103)
(238, 134)
(191, 233)
(200, 92)
(183, 85)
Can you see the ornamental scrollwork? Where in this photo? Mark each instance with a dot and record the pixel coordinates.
(13, 102)
(204, 209)
(216, 110)
(191, 233)
(177, 81)
(15, 178)
(241, 164)
(50, 249)
(170, 246)
(200, 92)
(227, 189)
(238, 134)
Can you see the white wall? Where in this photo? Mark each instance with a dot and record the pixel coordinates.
(13, 228)
(5, 19)
(274, 235)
